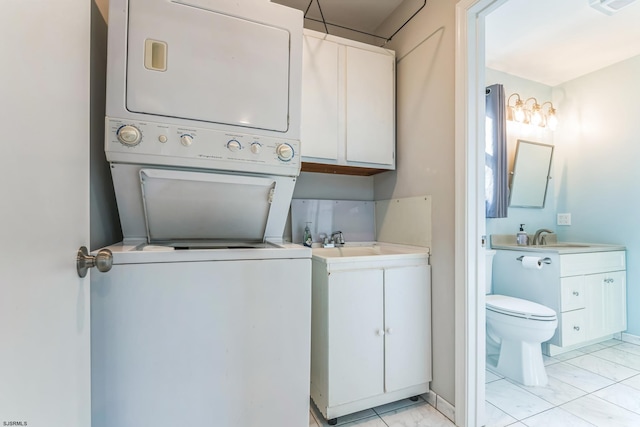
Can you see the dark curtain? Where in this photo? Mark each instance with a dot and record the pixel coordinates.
(496, 187)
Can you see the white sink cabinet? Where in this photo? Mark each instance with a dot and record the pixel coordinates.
(586, 289)
(370, 331)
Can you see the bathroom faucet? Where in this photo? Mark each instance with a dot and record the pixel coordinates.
(337, 238)
(538, 238)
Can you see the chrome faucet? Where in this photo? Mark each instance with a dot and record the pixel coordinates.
(337, 238)
(538, 238)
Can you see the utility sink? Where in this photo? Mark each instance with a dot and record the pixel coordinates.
(368, 251)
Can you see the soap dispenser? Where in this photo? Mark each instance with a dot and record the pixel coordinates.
(522, 238)
(307, 240)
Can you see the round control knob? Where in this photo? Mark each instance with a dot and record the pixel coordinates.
(234, 145)
(284, 152)
(256, 148)
(186, 140)
(129, 135)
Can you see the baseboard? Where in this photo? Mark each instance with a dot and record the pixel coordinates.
(633, 339)
(441, 405)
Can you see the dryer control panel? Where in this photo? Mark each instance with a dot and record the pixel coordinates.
(128, 141)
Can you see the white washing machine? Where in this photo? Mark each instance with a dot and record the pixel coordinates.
(202, 337)
(204, 318)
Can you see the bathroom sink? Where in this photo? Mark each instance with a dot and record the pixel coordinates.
(561, 245)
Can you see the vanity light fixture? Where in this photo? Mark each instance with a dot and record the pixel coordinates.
(531, 112)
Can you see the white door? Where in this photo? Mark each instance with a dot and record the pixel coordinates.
(44, 213)
(356, 335)
(407, 311)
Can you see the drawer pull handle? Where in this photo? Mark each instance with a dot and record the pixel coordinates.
(577, 328)
(576, 293)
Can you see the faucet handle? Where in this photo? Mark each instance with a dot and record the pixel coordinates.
(339, 239)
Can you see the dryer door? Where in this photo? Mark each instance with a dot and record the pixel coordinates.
(199, 62)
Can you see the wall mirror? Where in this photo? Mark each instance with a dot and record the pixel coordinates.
(531, 174)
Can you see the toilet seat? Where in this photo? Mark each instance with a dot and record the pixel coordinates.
(519, 308)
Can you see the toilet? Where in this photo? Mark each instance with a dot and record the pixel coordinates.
(516, 328)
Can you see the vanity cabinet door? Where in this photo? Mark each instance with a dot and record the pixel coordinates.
(606, 303)
(407, 307)
(356, 335)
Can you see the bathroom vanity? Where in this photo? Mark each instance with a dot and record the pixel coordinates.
(370, 326)
(584, 283)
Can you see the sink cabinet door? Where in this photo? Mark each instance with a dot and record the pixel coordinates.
(407, 307)
(606, 303)
(356, 335)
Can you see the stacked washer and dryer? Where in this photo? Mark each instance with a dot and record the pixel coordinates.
(204, 318)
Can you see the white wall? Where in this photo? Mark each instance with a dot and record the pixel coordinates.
(597, 169)
(425, 149)
(533, 218)
(333, 187)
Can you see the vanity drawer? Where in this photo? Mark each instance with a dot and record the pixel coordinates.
(572, 327)
(572, 293)
(591, 262)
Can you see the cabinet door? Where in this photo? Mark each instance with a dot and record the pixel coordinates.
(407, 307)
(606, 303)
(370, 101)
(356, 335)
(320, 130)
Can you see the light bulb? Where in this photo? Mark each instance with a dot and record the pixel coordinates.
(552, 120)
(536, 118)
(518, 112)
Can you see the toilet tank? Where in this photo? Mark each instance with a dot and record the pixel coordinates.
(489, 254)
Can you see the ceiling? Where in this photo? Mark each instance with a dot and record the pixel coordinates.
(547, 41)
(361, 15)
(554, 41)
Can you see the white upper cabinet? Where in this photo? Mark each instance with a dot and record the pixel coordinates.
(320, 86)
(370, 111)
(348, 103)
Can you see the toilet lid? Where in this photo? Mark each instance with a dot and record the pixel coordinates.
(519, 307)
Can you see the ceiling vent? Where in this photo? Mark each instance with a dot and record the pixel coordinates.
(609, 7)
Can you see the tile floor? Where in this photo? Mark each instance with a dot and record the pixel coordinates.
(597, 385)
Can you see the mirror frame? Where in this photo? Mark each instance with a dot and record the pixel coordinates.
(525, 171)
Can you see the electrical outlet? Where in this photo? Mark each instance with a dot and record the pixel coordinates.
(564, 219)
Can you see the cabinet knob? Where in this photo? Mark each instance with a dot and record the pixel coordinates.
(577, 328)
(380, 332)
(389, 331)
(608, 280)
(576, 293)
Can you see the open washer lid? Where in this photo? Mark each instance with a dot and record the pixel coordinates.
(184, 206)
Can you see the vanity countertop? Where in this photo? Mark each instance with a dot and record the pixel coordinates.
(508, 242)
